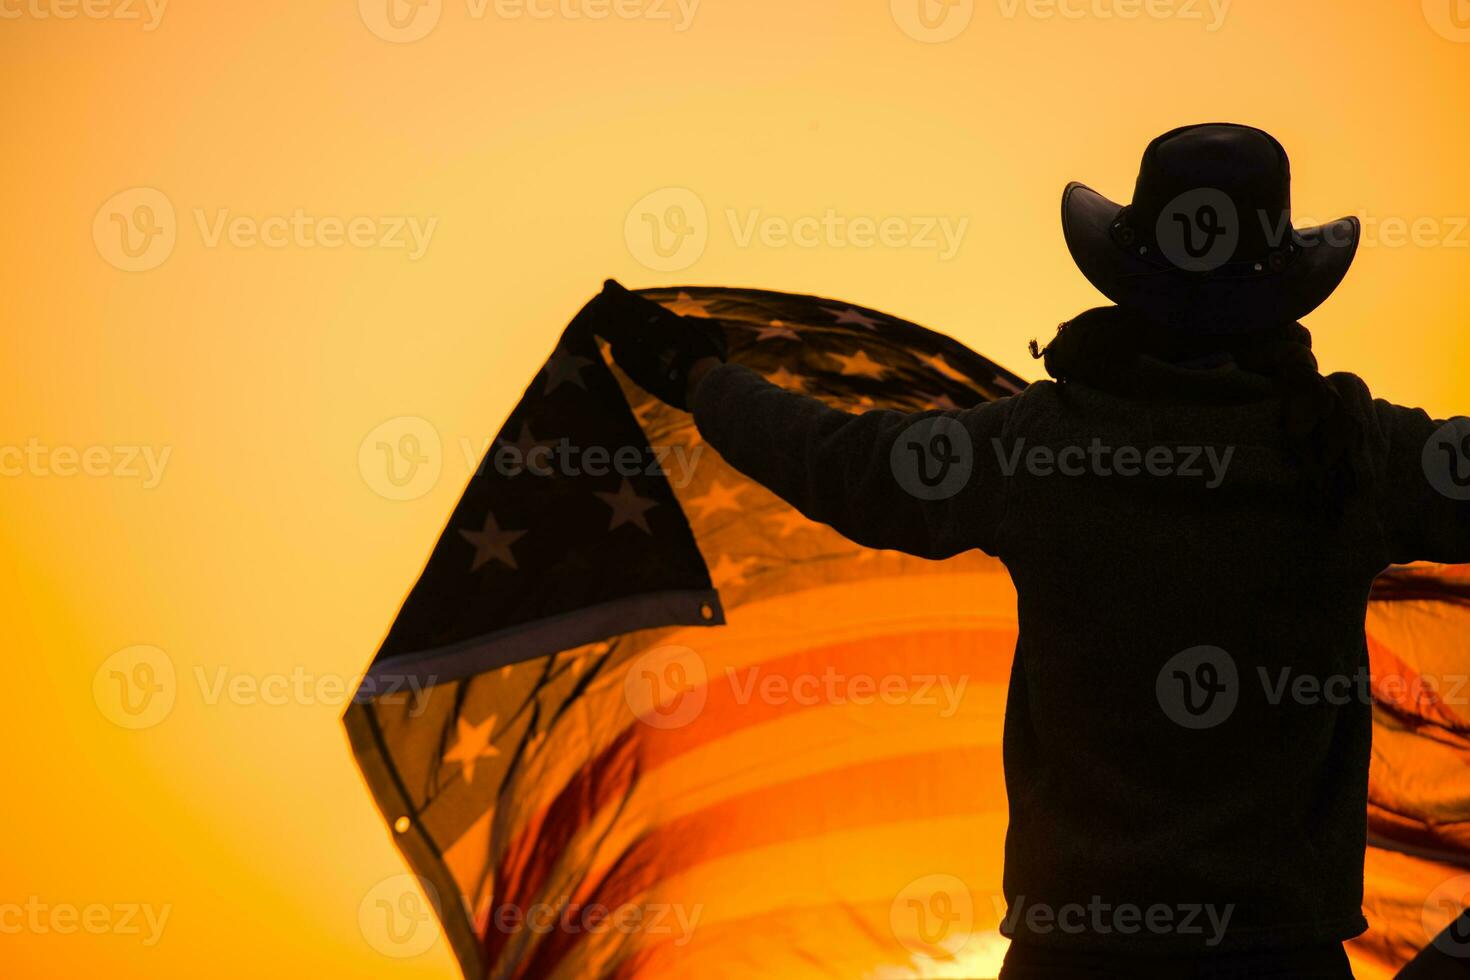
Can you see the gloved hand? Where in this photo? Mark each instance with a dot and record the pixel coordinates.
(654, 346)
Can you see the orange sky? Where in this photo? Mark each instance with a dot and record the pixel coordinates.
(365, 226)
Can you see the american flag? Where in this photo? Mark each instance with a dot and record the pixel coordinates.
(669, 727)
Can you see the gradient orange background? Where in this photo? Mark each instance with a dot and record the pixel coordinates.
(264, 550)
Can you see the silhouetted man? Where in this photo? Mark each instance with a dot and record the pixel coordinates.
(1180, 805)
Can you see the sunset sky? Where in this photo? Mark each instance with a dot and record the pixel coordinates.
(240, 238)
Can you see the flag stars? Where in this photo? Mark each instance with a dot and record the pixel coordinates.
(686, 305)
(851, 315)
(565, 368)
(783, 378)
(791, 522)
(777, 330)
(730, 572)
(472, 743)
(1006, 384)
(860, 365)
(938, 363)
(718, 498)
(942, 402)
(628, 507)
(525, 442)
(492, 544)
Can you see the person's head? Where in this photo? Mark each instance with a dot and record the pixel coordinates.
(1205, 262)
(1206, 246)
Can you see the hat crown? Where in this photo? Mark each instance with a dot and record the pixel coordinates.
(1207, 244)
(1215, 179)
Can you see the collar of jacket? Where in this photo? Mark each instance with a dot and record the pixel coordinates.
(1220, 381)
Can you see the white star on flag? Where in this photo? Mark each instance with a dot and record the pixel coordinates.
(851, 315)
(472, 744)
(943, 402)
(728, 572)
(719, 497)
(628, 507)
(565, 368)
(938, 363)
(686, 305)
(491, 543)
(783, 378)
(526, 442)
(860, 365)
(791, 522)
(1007, 384)
(777, 328)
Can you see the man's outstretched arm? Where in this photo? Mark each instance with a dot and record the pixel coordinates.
(842, 470)
(1424, 485)
(925, 483)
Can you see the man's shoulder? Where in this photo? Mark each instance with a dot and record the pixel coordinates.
(1355, 393)
(1349, 384)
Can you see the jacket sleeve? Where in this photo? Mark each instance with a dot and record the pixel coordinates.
(1425, 485)
(856, 473)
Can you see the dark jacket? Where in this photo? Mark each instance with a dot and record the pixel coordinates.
(1256, 816)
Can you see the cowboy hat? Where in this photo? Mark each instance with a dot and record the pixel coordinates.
(1207, 242)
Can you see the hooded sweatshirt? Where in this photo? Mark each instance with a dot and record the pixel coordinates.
(1188, 727)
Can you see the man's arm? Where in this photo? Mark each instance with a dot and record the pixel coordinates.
(1425, 500)
(697, 373)
(843, 470)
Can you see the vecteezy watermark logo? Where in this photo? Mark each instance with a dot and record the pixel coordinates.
(673, 920)
(932, 21)
(398, 916)
(831, 687)
(139, 688)
(39, 918)
(1199, 230)
(1386, 231)
(667, 687)
(150, 12)
(299, 229)
(39, 461)
(402, 458)
(410, 692)
(401, 21)
(1199, 687)
(136, 229)
(830, 229)
(136, 687)
(405, 21)
(1100, 918)
(563, 458)
(933, 916)
(668, 229)
(1450, 19)
(1445, 927)
(1447, 459)
(1074, 10)
(933, 458)
(1205, 463)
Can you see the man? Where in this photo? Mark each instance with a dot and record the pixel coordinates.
(1175, 810)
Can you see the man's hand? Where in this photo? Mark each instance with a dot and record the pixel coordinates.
(658, 349)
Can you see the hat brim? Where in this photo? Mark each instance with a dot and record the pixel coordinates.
(1215, 303)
